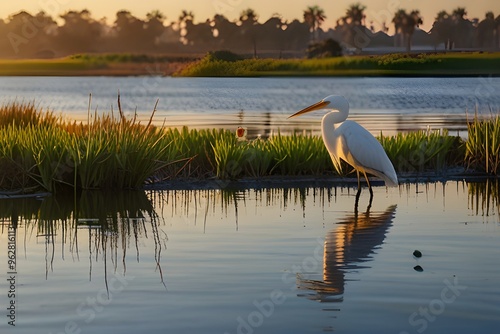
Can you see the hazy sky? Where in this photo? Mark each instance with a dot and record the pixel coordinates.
(377, 11)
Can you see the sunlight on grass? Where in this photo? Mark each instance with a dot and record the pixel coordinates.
(41, 150)
(483, 145)
(395, 64)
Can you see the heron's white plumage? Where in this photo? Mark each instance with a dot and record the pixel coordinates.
(349, 141)
(360, 149)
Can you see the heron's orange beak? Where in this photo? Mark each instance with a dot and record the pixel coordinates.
(319, 105)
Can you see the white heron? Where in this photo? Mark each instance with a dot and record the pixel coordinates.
(349, 141)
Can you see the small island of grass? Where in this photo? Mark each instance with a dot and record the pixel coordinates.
(40, 151)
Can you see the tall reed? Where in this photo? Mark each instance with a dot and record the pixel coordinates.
(422, 150)
(40, 149)
(298, 155)
(16, 162)
(482, 148)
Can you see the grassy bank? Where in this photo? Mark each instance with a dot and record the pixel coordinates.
(442, 64)
(95, 65)
(39, 150)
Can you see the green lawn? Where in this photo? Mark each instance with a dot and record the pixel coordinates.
(450, 64)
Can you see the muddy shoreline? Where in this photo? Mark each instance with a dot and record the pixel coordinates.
(308, 181)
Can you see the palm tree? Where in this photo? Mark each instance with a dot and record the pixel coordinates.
(459, 13)
(353, 24)
(486, 31)
(248, 16)
(462, 28)
(398, 19)
(314, 16)
(414, 22)
(406, 24)
(154, 26)
(185, 16)
(442, 15)
(155, 15)
(355, 14)
(185, 21)
(248, 20)
(442, 29)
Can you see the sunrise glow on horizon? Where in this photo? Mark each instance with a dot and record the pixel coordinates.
(377, 11)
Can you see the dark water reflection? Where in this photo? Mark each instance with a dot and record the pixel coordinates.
(113, 220)
(213, 254)
(485, 197)
(117, 220)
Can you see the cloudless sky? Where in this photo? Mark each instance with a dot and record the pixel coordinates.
(377, 11)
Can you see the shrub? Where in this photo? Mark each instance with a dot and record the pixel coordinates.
(223, 55)
(324, 49)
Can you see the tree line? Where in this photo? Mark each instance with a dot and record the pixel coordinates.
(23, 35)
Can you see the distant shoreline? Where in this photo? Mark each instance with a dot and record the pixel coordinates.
(453, 64)
(393, 65)
(63, 67)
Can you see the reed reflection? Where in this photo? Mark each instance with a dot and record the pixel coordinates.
(112, 222)
(484, 197)
(348, 248)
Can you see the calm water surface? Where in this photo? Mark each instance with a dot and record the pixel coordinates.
(263, 104)
(297, 260)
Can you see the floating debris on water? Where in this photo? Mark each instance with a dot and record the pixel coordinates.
(418, 268)
(417, 253)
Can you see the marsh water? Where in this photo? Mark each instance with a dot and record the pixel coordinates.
(256, 260)
(279, 259)
(262, 105)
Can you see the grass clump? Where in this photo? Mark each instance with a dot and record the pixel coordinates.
(116, 154)
(51, 153)
(41, 150)
(278, 155)
(391, 64)
(299, 155)
(482, 149)
(422, 150)
(21, 114)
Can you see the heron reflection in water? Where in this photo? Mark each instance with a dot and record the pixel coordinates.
(346, 248)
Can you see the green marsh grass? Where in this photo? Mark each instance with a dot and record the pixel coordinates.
(21, 114)
(391, 64)
(39, 149)
(483, 145)
(422, 150)
(299, 155)
(228, 155)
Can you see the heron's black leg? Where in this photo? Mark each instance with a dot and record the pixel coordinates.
(358, 193)
(359, 184)
(356, 202)
(371, 192)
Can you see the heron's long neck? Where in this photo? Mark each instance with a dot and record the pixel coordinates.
(334, 117)
(328, 124)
